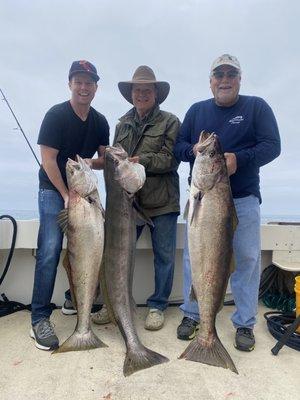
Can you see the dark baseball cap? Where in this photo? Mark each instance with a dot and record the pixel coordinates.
(83, 66)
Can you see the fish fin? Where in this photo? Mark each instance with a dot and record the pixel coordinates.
(78, 341)
(193, 296)
(235, 222)
(141, 215)
(104, 291)
(67, 267)
(141, 359)
(225, 287)
(232, 264)
(133, 305)
(196, 206)
(212, 354)
(63, 220)
(235, 219)
(231, 270)
(186, 210)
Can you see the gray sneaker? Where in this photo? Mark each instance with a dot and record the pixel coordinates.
(44, 335)
(101, 317)
(155, 319)
(68, 308)
(244, 339)
(187, 329)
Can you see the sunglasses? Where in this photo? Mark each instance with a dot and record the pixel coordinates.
(229, 74)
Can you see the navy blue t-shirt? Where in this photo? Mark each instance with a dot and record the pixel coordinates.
(63, 130)
(248, 129)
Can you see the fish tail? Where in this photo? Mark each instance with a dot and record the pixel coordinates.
(137, 360)
(212, 354)
(78, 341)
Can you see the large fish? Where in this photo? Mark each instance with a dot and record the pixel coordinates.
(83, 223)
(211, 223)
(123, 179)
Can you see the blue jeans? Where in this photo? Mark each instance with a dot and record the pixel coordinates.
(163, 236)
(246, 277)
(48, 252)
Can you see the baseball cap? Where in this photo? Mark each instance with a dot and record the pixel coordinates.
(83, 66)
(226, 59)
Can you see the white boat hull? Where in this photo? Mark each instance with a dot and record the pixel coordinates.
(277, 240)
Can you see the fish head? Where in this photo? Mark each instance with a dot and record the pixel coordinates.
(209, 166)
(115, 154)
(80, 177)
(131, 176)
(209, 144)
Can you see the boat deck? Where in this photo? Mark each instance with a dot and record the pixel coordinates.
(31, 374)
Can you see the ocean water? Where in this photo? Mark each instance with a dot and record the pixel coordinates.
(33, 214)
(279, 218)
(21, 214)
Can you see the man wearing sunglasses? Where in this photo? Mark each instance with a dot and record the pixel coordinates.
(249, 136)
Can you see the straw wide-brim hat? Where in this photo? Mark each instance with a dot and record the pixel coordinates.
(144, 74)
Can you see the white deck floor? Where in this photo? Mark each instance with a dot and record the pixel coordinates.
(29, 373)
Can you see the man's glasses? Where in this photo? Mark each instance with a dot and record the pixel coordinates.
(229, 74)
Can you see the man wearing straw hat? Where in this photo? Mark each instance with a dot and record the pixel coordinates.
(148, 134)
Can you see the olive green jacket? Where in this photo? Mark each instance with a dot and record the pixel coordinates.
(154, 142)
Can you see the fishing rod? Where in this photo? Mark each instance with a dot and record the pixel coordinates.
(6, 101)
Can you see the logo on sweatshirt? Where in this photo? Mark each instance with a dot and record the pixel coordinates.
(236, 120)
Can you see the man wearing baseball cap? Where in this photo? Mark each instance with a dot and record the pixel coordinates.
(68, 129)
(249, 137)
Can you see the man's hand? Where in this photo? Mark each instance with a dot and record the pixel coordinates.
(89, 162)
(49, 156)
(231, 165)
(134, 159)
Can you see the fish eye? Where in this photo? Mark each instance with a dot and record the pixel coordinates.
(212, 153)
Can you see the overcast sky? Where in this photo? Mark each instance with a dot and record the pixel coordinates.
(179, 39)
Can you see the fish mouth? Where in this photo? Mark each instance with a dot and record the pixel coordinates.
(116, 153)
(81, 179)
(205, 138)
(72, 165)
(78, 165)
(207, 141)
